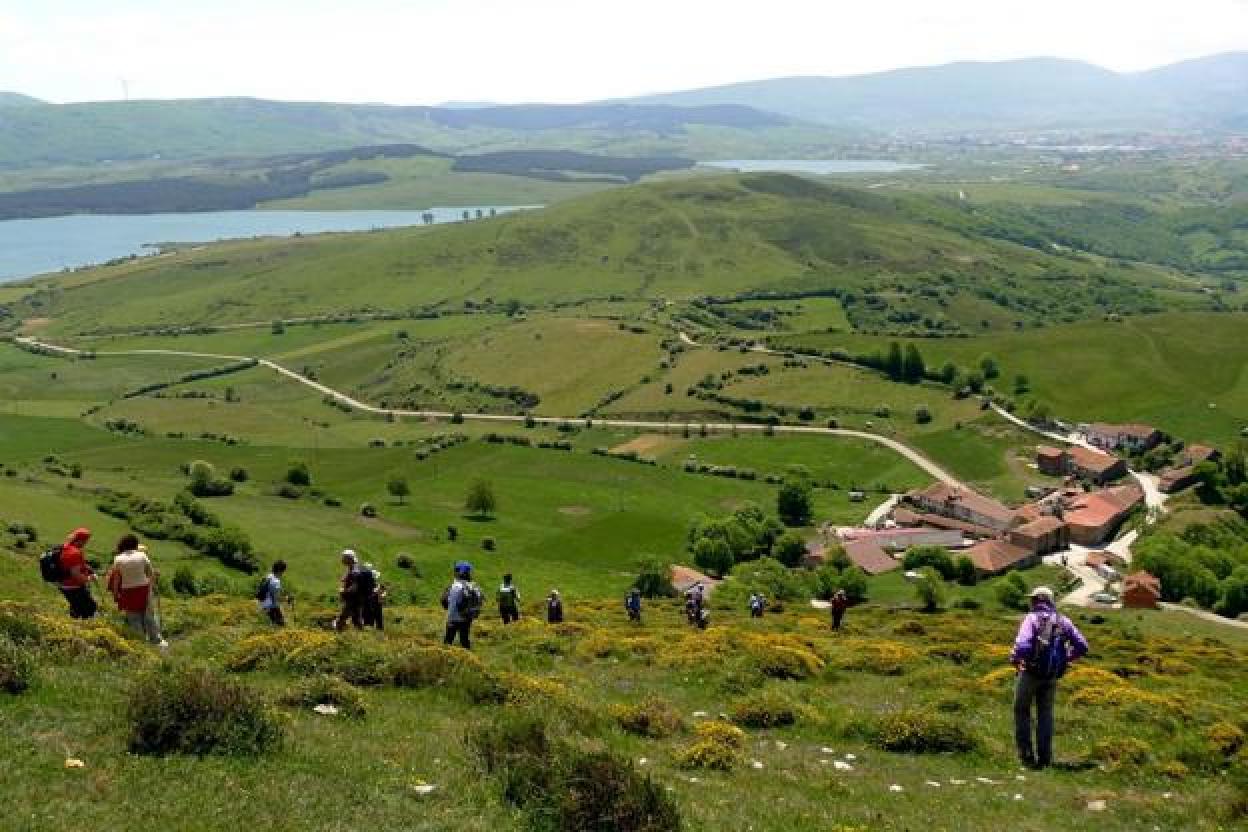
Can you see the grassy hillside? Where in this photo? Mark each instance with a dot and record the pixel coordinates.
(1149, 725)
(1188, 374)
(86, 133)
(894, 262)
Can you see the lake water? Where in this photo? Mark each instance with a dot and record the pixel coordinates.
(819, 167)
(31, 247)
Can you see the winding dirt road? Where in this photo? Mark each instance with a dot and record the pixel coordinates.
(927, 465)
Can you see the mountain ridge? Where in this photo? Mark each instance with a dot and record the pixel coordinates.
(1040, 92)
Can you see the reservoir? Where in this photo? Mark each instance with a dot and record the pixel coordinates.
(35, 246)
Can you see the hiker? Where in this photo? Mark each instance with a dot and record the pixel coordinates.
(632, 603)
(691, 608)
(508, 600)
(554, 608)
(703, 618)
(840, 603)
(77, 575)
(131, 581)
(269, 594)
(758, 604)
(462, 601)
(372, 594)
(349, 593)
(1047, 643)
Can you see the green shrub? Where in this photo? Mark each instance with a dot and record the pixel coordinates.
(198, 711)
(456, 670)
(17, 667)
(565, 789)
(1120, 750)
(655, 718)
(922, 731)
(654, 578)
(766, 708)
(326, 690)
(603, 792)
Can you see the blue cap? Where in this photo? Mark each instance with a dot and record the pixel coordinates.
(463, 566)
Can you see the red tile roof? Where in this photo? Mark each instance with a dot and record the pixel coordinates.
(1098, 462)
(1100, 508)
(1049, 452)
(870, 558)
(996, 555)
(1142, 580)
(1040, 526)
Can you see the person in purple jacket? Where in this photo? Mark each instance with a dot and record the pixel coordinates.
(1046, 645)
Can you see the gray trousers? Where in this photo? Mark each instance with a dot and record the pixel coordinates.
(1028, 690)
(145, 622)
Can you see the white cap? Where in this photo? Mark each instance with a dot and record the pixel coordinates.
(349, 554)
(1042, 592)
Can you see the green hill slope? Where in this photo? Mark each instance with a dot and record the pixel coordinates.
(911, 261)
(214, 127)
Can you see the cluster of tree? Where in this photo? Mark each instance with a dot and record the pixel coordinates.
(1206, 564)
(717, 543)
(938, 559)
(206, 483)
(521, 398)
(193, 376)
(187, 521)
(273, 178)
(569, 165)
(1225, 481)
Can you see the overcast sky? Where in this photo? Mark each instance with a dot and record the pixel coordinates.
(430, 51)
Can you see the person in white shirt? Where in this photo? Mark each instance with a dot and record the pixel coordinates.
(132, 582)
(270, 594)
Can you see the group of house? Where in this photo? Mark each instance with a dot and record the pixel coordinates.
(1087, 510)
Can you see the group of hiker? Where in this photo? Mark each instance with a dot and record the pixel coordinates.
(131, 580)
(1047, 642)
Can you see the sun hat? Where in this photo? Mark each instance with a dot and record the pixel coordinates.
(1042, 592)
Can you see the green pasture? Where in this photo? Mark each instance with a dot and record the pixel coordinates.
(1186, 373)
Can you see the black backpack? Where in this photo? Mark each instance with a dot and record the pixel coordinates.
(1048, 651)
(262, 591)
(471, 600)
(365, 583)
(50, 567)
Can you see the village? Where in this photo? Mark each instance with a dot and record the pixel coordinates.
(1075, 525)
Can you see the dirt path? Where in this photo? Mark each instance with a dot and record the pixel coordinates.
(929, 466)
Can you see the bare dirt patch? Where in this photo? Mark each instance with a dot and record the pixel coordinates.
(33, 325)
(591, 326)
(574, 511)
(389, 528)
(647, 444)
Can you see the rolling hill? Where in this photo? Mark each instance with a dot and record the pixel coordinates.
(914, 262)
(88, 133)
(1032, 93)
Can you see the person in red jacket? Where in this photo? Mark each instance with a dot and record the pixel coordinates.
(78, 575)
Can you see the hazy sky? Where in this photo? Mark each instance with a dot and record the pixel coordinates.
(428, 51)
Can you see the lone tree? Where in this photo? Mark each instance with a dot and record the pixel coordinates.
(480, 501)
(398, 488)
(714, 556)
(894, 363)
(790, 549)
(930, 589)
(794, 503)
(299, 474)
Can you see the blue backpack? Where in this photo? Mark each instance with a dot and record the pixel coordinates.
(1048, 650)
